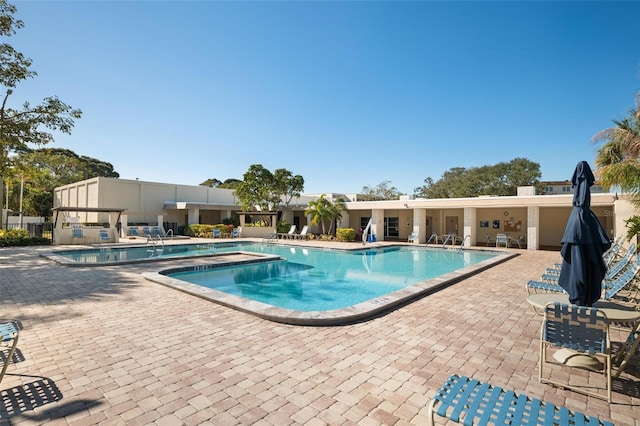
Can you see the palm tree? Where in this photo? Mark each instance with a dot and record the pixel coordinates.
(316, 210)
(323, 211)
(334, 212)
(618, 159)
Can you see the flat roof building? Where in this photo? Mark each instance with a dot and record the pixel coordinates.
(539, 219)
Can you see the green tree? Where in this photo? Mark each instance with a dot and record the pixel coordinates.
(47, 168)
(230, 183)
(617, 160)
(324, 212)
(212, 183)
(383, 191)
(499, 179)
(23, 126)
(286, 186)
(267, 190)
(227, 184)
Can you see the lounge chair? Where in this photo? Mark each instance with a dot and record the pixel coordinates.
(303, 235)
(8, 335)
(581, 336)
(490, 241)
(133, 231)
(156, 231)
(288, 234)
(77, 233)
(216, 233)
(413, 238)
(471, 402)
(552, 274)
(104, 236)
(611, 286)
(235, 233)
(146, 232)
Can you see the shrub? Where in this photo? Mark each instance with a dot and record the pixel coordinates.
(231, 221)
(283, 226)
(199, 230)
(20, 237)
(345, 234)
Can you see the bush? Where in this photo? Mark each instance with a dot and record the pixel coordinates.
(231, 221)
(283, 227)
(345, 234)
(199, 230)
(20, 237)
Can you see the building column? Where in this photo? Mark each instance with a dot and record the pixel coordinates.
(377, 224)
(533, 228)
(419, 224)
(469, 227)
(194, 216)
(160, 221)
(124, 225)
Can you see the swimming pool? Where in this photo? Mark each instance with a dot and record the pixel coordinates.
(299, 284)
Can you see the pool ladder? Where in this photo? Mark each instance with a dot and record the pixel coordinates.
(452, 238)
(155, 245)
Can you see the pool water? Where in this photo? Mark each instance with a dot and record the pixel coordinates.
(322, 280)
(299, 279)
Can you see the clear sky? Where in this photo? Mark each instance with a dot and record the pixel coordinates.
(346, 94)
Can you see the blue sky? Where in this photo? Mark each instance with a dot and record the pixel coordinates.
(346, 94)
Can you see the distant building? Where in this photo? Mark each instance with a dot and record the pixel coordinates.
(563, 187)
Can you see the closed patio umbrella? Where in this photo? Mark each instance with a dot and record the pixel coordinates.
(583, 244)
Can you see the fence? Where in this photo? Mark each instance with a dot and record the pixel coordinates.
(43, 230)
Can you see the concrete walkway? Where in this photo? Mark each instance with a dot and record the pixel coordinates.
(105, 346)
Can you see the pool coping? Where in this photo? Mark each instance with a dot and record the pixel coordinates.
(65, 261)
(344, 316)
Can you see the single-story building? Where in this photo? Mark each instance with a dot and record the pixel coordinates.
(539, 219)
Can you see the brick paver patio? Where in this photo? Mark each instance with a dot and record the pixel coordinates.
(105, 346)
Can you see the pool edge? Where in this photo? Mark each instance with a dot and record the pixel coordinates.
(344, 316)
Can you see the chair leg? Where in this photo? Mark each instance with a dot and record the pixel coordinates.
(631, 345)
(9, 357)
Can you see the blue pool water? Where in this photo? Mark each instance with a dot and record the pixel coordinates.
(306, 279)
(322, 280)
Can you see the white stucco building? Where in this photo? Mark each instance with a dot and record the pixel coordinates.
(540, 219)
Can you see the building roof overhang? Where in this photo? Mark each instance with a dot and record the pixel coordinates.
(597, 200)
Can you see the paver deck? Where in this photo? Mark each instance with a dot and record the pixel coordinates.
(105, 346)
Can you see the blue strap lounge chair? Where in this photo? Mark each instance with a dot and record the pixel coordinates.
(104, 236)
(471, 402)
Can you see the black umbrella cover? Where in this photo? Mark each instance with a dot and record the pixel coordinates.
(583, 244)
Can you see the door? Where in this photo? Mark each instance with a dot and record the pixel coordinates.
(451, 226)
(429, 227)
(391, 227)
